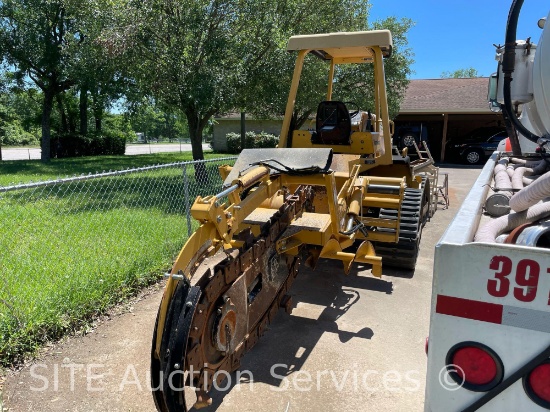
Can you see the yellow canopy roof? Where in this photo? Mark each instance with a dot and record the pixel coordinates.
(344, 47)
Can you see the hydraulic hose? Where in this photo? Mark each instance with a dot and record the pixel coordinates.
(502, 179)
(532, 194)
(520, 172)
(508, 63)
(527, 180)
(491, 230)
(525, 163)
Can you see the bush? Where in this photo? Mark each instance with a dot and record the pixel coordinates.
(76, 145)
(253, 140)
(266, 140)
(13, 134)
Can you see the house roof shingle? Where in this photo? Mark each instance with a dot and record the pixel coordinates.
(467, 95)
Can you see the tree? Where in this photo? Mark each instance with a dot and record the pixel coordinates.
(352, 83)
(47, 41)
(19, 112)
(153, 121)
(461, 74)
(37, 38)
(101, 76)
(203, 57)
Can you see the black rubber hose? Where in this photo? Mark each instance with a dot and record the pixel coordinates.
(508, 63)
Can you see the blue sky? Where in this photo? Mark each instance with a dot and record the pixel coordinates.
(451, 35)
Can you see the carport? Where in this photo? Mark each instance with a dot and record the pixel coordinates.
(448, 108)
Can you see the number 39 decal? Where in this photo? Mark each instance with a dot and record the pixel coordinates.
(524, 284)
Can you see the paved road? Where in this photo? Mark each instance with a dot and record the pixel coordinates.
(131, 149)
(352, 343)
(20, 154)
(135, 149)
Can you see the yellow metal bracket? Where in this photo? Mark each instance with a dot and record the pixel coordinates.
(365, 254)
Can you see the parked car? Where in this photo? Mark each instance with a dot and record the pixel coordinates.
(477, 146)
(406, 135)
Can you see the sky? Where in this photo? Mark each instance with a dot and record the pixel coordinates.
(451, 35)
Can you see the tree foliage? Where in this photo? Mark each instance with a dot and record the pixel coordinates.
(460, 74)
(155, 122)
(52, 43)
(37, 37)
(352, 83)
(19, 113)
(204, 57)
(187, 59)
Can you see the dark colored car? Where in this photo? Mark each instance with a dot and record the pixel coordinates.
(477, 146)
(407, 134)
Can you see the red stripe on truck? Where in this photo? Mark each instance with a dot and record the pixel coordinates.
(469, 309)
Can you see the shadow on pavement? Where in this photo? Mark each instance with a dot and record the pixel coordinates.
(289, 341)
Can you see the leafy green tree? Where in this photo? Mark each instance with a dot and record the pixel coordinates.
(460, 74)
(146, 118)
(352, 83)
(154, 122)
(50, 42)
(203, 57)
(101, 76)
(36, 37)
(19, 112)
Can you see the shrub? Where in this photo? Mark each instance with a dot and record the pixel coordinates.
(253, 140)
(76, 145)
(266, 140)
(13, 134)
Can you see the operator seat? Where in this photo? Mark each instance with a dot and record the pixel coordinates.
(332, 124)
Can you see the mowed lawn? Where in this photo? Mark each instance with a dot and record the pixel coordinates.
(71, 251)
(23, 171)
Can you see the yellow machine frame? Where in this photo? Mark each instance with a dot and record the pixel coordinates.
(347, 192)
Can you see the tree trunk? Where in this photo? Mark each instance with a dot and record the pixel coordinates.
(83, 107)
(195, 126)
(62, 114)
(243, 130)
(98, 111)
(47, 106)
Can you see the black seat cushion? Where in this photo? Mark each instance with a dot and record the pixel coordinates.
(333, 123)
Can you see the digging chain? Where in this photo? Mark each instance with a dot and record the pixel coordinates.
(206, 353)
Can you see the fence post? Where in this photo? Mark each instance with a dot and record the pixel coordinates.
(186, 199)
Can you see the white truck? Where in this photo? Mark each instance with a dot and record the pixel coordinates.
(489, 340)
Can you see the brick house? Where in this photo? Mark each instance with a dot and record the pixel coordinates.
(449, 108)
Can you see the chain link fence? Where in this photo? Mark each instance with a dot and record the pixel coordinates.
(72, 247)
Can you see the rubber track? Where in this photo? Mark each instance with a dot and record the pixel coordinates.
(404, 253)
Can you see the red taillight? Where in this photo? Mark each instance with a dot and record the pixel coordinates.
(537, 385)
(474, 366)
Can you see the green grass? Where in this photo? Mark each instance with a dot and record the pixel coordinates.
(23, 171)
(71, 251)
